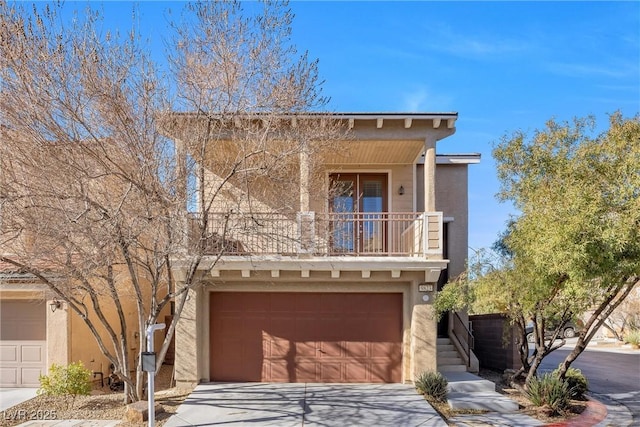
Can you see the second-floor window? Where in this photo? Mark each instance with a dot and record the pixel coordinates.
(358, 202)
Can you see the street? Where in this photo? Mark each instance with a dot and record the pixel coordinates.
(612, 372)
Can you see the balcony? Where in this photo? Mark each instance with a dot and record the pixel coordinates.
(306, 234)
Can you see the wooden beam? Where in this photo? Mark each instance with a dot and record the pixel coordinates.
(436, 123)
(407, 123)
(379, 123)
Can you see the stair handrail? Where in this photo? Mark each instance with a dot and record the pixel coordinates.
(459, 329)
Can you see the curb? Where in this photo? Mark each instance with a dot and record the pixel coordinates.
(594, 413)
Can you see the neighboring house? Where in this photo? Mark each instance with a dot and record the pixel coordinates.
(345, 291)
(37, 330)
(33, 329)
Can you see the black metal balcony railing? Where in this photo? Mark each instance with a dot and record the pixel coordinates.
(351, 234)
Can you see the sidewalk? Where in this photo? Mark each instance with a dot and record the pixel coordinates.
(611, 346)
(600, 413)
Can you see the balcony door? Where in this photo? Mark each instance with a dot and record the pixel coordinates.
(358, 204)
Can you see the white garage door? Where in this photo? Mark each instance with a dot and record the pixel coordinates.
(23, 331)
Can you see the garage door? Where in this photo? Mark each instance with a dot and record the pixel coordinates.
(22, 343)
(306, 337)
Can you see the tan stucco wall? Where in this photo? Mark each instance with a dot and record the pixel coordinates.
(26, 294)
(189, 341)
(258, 195)
(398, 175)
(58, 336)
(83, 345)
(419, 324)
(284, 197)
(452, 201)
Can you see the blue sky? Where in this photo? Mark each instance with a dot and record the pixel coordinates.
(502, 66)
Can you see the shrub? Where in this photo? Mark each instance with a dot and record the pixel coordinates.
(633, 337)
(433, 385)
(548, 390)
(576, 381)
(71, 380)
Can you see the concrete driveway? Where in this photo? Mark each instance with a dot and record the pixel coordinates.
(12, 396)
(262, 404)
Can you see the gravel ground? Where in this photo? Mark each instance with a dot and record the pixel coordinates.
(102, 404)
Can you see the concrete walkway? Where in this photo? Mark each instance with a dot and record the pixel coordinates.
(260, 404)
(12, 396)
(471, 392)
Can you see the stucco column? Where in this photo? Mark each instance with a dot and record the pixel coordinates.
(182, 189)
(430, 174)
(58, 336)
(423, 340)
(187, 342)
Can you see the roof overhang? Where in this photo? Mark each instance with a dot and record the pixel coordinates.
(457, 159)
(436, 120)
(371, 138)
(391, 138)
(394, 266)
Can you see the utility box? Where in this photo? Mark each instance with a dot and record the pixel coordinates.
(148, 361)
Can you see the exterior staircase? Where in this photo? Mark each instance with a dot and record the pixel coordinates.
(448, 358)
(468, 391)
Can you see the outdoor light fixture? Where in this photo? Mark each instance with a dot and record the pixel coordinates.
(54, 305)
(401, 190)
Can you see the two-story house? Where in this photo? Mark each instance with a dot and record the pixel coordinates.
(342, 291)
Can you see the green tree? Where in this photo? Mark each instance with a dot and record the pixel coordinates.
(576, 241)
(495, 282)
(574, 248)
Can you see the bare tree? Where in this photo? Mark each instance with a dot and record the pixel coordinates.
(625, 318)
(106, 179)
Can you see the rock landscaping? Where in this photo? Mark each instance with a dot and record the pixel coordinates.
(101, 404)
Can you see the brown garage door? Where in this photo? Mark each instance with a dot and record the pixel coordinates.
(306, 337)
